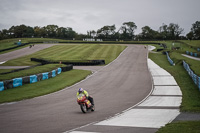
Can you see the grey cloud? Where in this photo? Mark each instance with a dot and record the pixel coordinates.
(93, 14)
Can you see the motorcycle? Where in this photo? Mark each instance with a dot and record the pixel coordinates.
(84, 103)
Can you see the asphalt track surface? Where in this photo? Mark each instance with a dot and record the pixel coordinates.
(115, 88)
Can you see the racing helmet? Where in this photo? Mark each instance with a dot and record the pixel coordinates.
(80, 90)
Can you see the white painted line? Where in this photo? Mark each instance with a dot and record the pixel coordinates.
(167, 90)
(150, 118)
(162, 101)
(2, 62)
(169, 80)
(150, 48)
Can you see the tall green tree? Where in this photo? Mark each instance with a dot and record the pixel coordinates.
(174, 31)
(4, 34)
(106, 32)
(38, 31)
(21, 31)
(51, 30)
(148, 33)
(196, 30)
(163, 31)
(127, 30)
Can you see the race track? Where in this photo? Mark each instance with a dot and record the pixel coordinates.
(23, 51)
(115, 87)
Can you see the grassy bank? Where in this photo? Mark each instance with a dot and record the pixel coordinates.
(43, 87)
(181, 127)
(28, 72)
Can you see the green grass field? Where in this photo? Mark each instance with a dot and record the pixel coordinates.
(71, 52)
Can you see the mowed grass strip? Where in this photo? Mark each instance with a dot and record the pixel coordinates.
(108, 53)
(71, 52)
(57, 83)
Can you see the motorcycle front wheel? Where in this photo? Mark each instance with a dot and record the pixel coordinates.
(83, 108)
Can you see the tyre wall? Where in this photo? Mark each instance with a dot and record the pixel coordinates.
(16, 82)
(73, 62)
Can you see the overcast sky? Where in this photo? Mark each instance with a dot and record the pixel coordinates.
(84, 15)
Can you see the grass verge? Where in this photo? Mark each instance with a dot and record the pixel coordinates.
(28, 72)
(181, 127)
(43, 87)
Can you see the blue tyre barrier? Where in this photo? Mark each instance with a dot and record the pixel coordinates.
(45, 75)
(17, 82)
(53, 73)
(33, 78)
(8, 84)
(1, 86)
(169, 59)
(59, 70)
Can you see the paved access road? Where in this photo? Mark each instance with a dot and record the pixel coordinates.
(115, 87)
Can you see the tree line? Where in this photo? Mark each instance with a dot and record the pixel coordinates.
(108, 32)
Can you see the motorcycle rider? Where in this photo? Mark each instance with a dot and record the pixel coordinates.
(80, 90)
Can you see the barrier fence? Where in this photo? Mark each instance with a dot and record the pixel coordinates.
(169, 59)
(16, 82)
(192, 53)
(194, 77)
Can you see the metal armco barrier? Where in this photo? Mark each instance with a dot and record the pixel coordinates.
(169, 59)
(194, 77)
(16, 82)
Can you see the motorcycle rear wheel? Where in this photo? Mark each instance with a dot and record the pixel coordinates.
(93, 108)
(83, 108)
